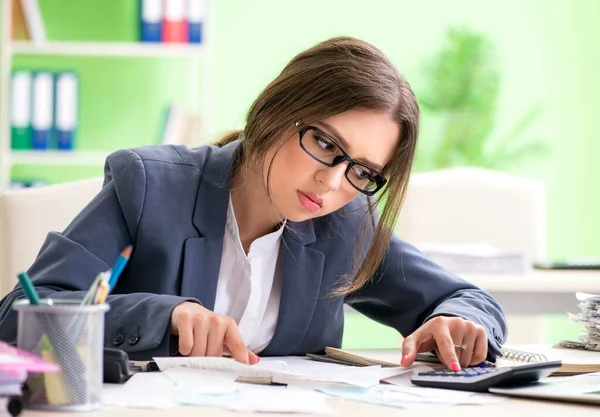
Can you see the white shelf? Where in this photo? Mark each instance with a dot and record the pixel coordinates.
(54, 157)
(106, 49)
(538, 281)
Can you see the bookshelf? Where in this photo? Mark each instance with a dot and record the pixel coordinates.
(197, 91)
(54, 157)
(106, 49)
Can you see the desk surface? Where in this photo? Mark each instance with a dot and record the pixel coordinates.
(352, 408)
(518, 407)
(539, 281)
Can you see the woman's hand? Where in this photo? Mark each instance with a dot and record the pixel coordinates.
(204, 333)
(458, 342)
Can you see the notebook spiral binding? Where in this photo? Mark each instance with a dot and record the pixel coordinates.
(522, 356)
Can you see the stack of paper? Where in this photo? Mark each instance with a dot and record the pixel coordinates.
(476, 258)
(589, 338)
(289, 371)
(15, 364)
(214, 382)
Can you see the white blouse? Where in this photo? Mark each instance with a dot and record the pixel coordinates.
(249, 287)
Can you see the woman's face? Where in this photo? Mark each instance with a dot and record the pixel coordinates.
(302, 188)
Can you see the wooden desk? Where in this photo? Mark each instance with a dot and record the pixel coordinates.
(539, 292)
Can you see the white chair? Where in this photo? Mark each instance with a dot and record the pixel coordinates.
(26, 217)
(474, 205)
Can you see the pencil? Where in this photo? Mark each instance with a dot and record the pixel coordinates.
(119, 266)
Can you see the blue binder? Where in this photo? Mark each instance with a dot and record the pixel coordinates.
(42, 109)
(151, 14)
(66, 109)
(196, 14)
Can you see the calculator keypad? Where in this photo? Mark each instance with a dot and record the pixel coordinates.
(465, 372)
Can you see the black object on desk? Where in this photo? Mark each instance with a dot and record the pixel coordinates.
(480, 379)
(117, 368)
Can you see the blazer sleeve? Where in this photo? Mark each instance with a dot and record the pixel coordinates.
(68, 262)
(408, 289)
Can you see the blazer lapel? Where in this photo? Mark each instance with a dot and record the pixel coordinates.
(202, 255)
(302, 271)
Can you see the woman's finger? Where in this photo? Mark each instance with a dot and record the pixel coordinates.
(446, 347)
(235, 343)
(200, 336)
(466, 350)
(216, 334)
(480, 348)
(185, 333)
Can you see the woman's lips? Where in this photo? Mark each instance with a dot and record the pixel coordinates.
(310, 201)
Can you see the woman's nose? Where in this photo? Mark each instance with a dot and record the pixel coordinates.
(332, 177)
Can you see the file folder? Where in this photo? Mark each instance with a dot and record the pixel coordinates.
(67, 98)
(20, 106)
(151, 15)
(43, 100)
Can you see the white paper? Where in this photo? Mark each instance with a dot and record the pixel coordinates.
(284, 401)
(401, 397)
(305, 371)
(197, 381)
(286, 370)
(220, 364)
(143, 390)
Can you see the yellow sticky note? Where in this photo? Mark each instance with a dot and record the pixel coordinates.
(55, 388)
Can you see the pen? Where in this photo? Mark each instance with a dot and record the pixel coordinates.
(30, 292)
(101, 292)
(89, 295)
(119, 266)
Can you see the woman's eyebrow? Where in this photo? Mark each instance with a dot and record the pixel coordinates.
(346, 146)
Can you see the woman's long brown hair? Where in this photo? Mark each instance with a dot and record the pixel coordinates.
(330, 78)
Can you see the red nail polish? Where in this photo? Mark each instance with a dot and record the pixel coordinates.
(455, 366)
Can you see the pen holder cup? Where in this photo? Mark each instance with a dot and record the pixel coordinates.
(72, 336)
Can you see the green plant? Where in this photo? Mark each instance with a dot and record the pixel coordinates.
(462, 86)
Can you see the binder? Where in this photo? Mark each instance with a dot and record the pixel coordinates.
(175, 28)
(20, 106)
(151, 14)
(67, 99)
(196, 15)
(42, 109)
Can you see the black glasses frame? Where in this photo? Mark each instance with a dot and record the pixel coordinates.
(380, 180)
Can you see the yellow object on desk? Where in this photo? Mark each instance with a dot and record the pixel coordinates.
(53, 382)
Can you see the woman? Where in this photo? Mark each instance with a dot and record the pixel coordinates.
(252, 246)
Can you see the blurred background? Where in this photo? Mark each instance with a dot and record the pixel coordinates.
(509, 87)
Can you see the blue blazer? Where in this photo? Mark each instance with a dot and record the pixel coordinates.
(170, 202)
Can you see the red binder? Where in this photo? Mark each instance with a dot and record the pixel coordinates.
(174, 25)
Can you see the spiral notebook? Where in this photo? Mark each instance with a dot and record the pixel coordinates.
(574, 361)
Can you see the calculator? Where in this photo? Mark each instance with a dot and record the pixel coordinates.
(479, 379)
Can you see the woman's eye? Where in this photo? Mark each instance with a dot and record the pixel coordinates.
(324, 144)
(363, 173)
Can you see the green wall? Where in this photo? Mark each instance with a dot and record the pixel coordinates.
(547, 51)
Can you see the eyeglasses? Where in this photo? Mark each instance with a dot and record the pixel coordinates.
(324, 149)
